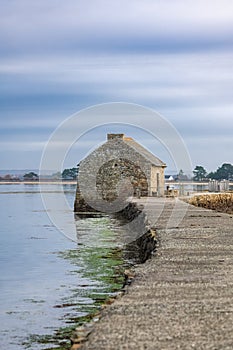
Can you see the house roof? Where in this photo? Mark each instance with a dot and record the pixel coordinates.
(144, 152)
(138, 148)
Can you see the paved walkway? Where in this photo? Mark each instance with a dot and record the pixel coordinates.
(182, 298)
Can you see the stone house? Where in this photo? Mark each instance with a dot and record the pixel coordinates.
(120, 160)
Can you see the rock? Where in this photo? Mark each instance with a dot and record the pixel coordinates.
(76, 346)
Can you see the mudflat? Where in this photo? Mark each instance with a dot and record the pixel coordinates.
(182, 298)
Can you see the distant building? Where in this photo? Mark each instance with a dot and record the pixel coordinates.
(169, 178)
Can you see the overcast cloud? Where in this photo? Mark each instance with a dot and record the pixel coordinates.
(173, 56)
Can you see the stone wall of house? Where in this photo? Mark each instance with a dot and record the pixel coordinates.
(93, 188)
(120, 175)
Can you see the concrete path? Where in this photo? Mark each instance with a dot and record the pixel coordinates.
(182, 298)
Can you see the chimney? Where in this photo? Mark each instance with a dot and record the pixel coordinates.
(115, 136)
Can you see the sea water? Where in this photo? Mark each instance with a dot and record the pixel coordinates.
(47, 281)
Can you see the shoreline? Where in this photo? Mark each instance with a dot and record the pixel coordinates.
(138, 251)
(45, 182)
(71, 182)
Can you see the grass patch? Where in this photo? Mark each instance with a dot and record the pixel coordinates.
(222, 202)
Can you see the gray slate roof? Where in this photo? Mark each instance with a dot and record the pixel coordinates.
(144, 152)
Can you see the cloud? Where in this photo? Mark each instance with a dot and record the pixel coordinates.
(17, 146)
(132, 26)
(166, 81)
(174, 56)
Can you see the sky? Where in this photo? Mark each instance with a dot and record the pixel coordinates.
(172, 56)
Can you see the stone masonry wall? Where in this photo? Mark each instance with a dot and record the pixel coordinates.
(116, 171)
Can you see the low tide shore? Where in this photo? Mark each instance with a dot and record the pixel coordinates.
(45, 182)
(182, 297)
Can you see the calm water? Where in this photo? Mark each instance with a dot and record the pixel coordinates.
(48, 281)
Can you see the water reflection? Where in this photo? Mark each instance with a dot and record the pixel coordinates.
(97, 267)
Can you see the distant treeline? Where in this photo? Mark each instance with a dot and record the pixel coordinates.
(224, 172)
(67, 174)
